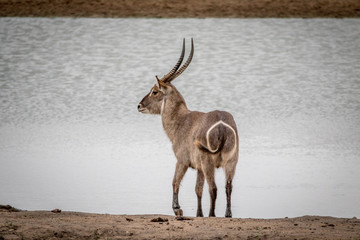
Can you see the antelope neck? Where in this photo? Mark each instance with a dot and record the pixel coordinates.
(172, 115)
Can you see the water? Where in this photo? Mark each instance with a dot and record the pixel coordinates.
(71, 136)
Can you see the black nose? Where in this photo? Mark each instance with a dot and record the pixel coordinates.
(139, 106)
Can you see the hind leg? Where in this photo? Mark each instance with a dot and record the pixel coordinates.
(199, 189)
(229, 174)
(209, 172)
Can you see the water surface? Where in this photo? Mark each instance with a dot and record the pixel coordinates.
(71, 136)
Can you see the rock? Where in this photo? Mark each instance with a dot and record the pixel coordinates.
(129, 219)
(8, 208)
(56, 210)
(129, 233)
(159, 219)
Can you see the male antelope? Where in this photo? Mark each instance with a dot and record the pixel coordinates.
(203, 141)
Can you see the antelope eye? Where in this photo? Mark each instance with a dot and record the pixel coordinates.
(154, 92)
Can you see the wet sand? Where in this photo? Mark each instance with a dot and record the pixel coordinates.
(183, 9)
(74, 225)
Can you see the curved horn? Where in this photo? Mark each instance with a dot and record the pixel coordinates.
(176, 67)
(186, 64)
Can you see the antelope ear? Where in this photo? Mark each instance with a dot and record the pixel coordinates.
(161, 85)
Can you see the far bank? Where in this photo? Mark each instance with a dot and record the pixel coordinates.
(182, 9)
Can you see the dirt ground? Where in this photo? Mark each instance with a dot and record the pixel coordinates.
(184, 8)
(73, 225)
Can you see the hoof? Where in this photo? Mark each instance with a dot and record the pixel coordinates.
(228, 214)
(199, 214)
(178, 212)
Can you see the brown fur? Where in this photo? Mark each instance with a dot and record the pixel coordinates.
(187, 132)
(193, 143)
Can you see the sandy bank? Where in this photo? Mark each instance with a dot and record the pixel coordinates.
(73, 225)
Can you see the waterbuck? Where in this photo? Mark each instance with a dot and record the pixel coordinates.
(203, 141)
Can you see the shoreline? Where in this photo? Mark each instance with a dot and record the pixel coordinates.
(19, 224)
(182, 9)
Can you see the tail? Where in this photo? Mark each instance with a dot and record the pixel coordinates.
(200, 146)
(215, 139)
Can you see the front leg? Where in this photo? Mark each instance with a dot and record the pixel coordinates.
(176, 206)
(178, 176)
